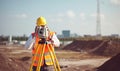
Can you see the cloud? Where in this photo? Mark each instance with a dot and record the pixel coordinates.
(56, 20)
(116, 2)
(60, 15)
(23, 16)
(82, 16)
(101, 15)
(70, 14)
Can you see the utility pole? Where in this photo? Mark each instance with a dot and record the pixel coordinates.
(98, 26)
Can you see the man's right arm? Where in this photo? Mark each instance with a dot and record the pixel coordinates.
(29, 43)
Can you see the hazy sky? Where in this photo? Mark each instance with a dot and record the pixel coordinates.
(18, 17)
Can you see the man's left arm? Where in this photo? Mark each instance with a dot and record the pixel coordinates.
(55, 40)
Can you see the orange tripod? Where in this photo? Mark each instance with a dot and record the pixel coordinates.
(52, 55)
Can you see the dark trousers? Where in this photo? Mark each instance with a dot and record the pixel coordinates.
(45, 68)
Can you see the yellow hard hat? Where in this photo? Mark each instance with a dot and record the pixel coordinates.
(41, 21)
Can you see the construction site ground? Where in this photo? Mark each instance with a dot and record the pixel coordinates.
(17, 58)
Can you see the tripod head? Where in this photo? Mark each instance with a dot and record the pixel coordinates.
(43, 33)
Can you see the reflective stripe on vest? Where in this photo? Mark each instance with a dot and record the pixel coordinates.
(46, 57)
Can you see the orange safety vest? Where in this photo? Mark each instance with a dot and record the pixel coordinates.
(46, 57)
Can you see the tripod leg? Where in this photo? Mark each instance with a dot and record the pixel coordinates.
(54, 56)
(58, 66)
(41, 58)
(51, 55)
(34, 57)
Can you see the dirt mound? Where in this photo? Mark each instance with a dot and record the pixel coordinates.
(13, 62)
(111, 65)
(99, 47)
(108, 48)
(9, 64)
(79, 45)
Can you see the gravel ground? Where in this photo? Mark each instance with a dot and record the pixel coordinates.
(16, 58)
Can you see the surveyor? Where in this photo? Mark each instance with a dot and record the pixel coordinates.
(40, 36)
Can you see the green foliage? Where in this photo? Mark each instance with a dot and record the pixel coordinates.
(20, 38)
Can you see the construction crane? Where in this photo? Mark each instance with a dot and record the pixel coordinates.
(98, 26)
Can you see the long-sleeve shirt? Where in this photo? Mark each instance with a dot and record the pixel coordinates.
(31, 40)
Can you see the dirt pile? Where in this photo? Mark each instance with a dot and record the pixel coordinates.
(13, 62)
(108, 48)
(111, 65)
(9, 64)
(79, 45)
(99, 47)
